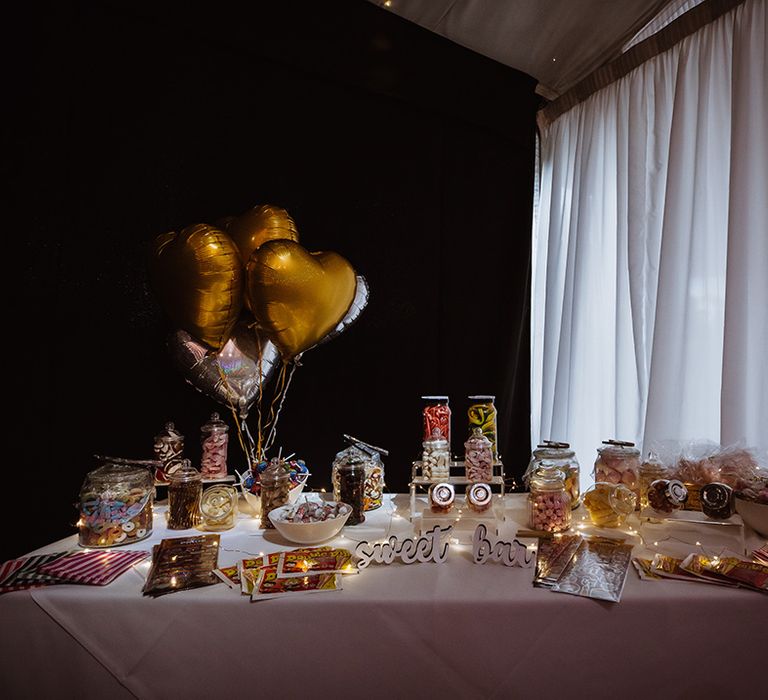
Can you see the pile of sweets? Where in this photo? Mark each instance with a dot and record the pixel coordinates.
(314, 512)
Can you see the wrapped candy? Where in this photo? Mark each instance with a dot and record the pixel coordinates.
(478, 457)
(549, 503)
(214, 437)
(314, 512)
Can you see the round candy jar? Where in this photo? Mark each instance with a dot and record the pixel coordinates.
(116, 505)
(618, 462)
(437, 416)
(218, 508)
(549, 503)
(650, 470)
(168, 447)
(441, 497)
(482, 414)
(478, 457)
(184, 491)
(717, 501)
(563, 457)
(609, 505)
(666, 495)
(436, 457)
(214, 436)
(479, 497)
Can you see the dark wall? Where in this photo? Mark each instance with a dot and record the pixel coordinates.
(409, 155)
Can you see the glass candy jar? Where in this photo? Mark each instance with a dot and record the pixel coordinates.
(482, 414)
(352, 491)
(214, 437)
(168, 447)
(218, 508)
(650, 470)
(185, 489)
(667, 495)
(479, 497)
(549, 503)
(478, 457)
(618, 462)
(360, 452)
(441, 497)
(116, 505)
(717, 501)
(561, 455)
(437, 416)
(609, 505)
(436, 457)
(275, 488)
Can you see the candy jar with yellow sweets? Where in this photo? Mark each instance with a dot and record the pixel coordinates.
(609, 505)
(549, 503)
(560, 454)
(482, 414)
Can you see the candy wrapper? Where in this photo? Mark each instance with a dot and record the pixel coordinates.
(672, 567)
(249, 569)
(597, 570)
(181, 563)
(326, 561)
(761, 555)
(552, 556)
(645, 570)
(229, 575)
(270, 585)
(698, 566)
(743, 573)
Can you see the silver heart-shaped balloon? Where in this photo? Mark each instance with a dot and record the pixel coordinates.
(362, 292)
(237, 361)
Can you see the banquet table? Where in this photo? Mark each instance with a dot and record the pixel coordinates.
(451, 630)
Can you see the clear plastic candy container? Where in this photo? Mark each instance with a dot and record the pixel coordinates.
(561, 455)
(549, 503)
(214, 437)
(618, 462)
(437, 416)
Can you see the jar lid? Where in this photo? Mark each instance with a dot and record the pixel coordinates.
(479, 494)
(677, 493)
(617, 447)
(186, 473)
(435, 398)
(215, 424)
(554, 444)
(545, 451)
(482, 397)
(442, 494)
(120, 471)
(716, 497)
(548, 476)
(169, 433)
(274, 474)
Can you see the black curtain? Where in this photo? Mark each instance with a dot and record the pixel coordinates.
(407, 154)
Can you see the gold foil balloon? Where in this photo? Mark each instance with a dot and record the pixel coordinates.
(198, 277)
(264, 223)
(298, 297)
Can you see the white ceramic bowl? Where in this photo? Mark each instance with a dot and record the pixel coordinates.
(753, 514)
(254, 499)
(308, 533)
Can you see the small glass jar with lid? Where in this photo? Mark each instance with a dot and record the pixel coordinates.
(549, 503)
(214, 437)
(168, 448)
(479, 497)
(437, 417)
(436, 457)
(352, 491)
(618, 462)
(369, 456)
(218, 508)
(478, 457)
(185, 489)
(609, 505)
(665, 496)
(116, 504)
(650, 470)
(561, 455)
(482, 414)
(275, 489)
(441, 497)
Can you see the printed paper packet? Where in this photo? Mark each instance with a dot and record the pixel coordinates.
(311, 561)
(270, 585)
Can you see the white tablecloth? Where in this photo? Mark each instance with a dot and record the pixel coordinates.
(456, 630)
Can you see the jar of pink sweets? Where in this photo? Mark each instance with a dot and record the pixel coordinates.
(618, 462)
(214, 436)
(549, 503)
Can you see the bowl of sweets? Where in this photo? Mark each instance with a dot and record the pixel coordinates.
(310, 522)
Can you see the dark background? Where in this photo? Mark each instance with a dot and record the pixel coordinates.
(409, 155)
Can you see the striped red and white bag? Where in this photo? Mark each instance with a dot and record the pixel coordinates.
(95, 568)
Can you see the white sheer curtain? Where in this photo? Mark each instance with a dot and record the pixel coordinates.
(650, 250)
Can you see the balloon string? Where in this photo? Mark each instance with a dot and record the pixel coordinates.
(273, 432)
(271, 417)
(260, 395)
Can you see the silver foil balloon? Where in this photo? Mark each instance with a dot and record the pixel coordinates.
(238, 360)
(362, 292)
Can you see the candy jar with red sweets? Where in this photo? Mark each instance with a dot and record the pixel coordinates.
(478, 457)
(437, 416)
(169, 446)
(214, 436)
(618, 462)
(549, 503)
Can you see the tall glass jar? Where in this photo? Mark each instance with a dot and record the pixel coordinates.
(218, 508)
(651, 470)
(478, 457)
(482, 414)
(561, 455)
(437, 416)
(184, 491)
(275, 487)
(360, 452)
(352, 491)
(116, 505)
(549, 503)
(436, 458)
(214, 436)
(168, 447)
(618, 462)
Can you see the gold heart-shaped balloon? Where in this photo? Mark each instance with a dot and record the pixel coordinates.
(298, 297)
(264, 223)
(198, 277)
